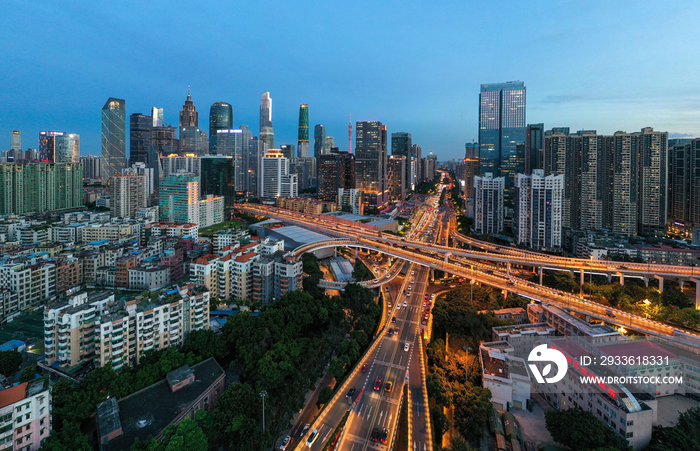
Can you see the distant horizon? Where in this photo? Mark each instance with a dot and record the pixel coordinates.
(415, 67)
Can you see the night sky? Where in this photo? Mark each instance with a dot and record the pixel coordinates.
(416, 66)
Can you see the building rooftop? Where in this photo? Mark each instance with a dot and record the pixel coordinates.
(149, 411)
(178, 375)
(637, 349)
(537, 328)
(13, 394)
(12, 344)
(245, 257)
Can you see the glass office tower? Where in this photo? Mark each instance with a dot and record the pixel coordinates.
(319, 140)
(303, 140)
(220, 118)
(502, 131)
(113, 137)
(267, 134)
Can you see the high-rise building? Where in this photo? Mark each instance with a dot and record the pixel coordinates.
(420, 176)
(220, 118)
(59, 147)
(16, 141)
(335, 170)
(305, 169)
(129, 193)
(684, 206)
(40, 187)
(158, 117)
(401, 145)
(172, 164)
(92, 167)
(370, 160)
(28, 405)
(319, 140)
(534, 147)
(652, 152)
(256, 151)
(178, 199)
(329, 143)
(231, 143)
(163, 143)
(502, 130)
(287, 150)
(217, 178)
(140, 127)
(275, 167)
(396, 178)
(538, 209)
(289, 186)
(188, 115)
(113, 137)
(488, 204)
(267, 134)
(471, 170)
(193, 140)
(303, 136)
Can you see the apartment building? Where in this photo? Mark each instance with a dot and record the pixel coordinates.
(110, 232)
(570, 325)
(33, 283)
(204, 272)
(276, 275)
(505, 375)
(524, 337)
(25, 415)
(9, 303)
(69, 274)
(97, 328)
(149, 277)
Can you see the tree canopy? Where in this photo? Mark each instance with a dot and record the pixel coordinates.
(581, 431)
(10, 362)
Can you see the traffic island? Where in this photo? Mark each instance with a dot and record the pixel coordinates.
(335, 438)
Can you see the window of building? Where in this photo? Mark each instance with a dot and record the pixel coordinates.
(630, 434)
(630, 423)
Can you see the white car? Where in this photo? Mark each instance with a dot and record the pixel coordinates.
(312, 438)
(285, 443)
(398, 306)
(406, 346)
(413, 272)
(405, 303)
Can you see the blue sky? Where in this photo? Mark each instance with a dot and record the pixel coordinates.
(414, 65)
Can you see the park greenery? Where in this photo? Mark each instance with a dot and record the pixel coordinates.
(361, 272)
(454, 379)
(582, 431)
(684, 435)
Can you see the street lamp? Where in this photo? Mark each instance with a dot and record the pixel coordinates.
(262, 395)
(466, 361)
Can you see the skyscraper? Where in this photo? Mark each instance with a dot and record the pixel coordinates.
(129, 193)
(396, 178)
(303, 143)
(538, 209)
(401, 145)
(471, 170)
(113, 137)
(319, 140)
(534, 147)
(231, 143)
(217, 178)
(48, 146)
(92, 167)
(275, 170)
(684, 206)
(370, 160)
(158, 115)
(267, 134)
(329, 143)
(287, 151)
(305, 169)
(420, 175)
(178, 199)
(162, 144)
(488, 204)
(652, 152)
(188, 115)
(502, 130)
(220, 118)
(16, 140)
(140, 127)
(335, 170)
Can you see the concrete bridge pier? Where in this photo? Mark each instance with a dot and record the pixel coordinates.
(622, 277)
(447, 256)
(581, 282)
(661, 283)
(508, 268)
(681, 283)
(646, 281)
(697, 291)
(609, 276)
(541, 274)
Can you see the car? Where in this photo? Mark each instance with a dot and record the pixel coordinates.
(511, 282)
(375, 435)
(384, 436)
(378, 384)
(406, 346)
(388, 305)
(306, 428)
(351, 392)
(285, 443)
(610, 314)
(398, 306)
(375, 281)
(364, 367)
(390, 332)
(387, 386)
(388, 275)
(413, 272)
(405, 303)
(312, 438)
(393, 319)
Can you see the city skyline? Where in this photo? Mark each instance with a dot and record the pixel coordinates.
(440, 112)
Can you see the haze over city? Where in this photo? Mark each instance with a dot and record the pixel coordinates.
(415, 66)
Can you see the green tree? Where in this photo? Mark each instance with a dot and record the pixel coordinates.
(458, 444)
(10, 362)
(361, 272)
(580, 430)
(675, 297)
(472, 405)
(684, 435)
(560, 280)
(28, 374)
(67, 438)
(440, 421)
(439, 389)
(205, 343)
(324, 396)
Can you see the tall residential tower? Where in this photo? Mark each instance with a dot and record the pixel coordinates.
(113, 137)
